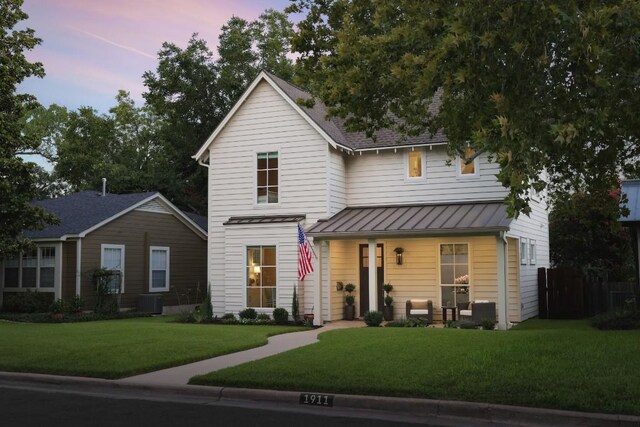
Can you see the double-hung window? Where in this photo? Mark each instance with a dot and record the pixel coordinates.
(262, 276)
(467, 167)
(416, 164)
(454, 273)
(524, 246)
(31, 270)
(532, 251)
(113, 260)
(158, 269)
(267, 180)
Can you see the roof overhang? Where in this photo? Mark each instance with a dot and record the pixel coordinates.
(264, 219)
(453, 219)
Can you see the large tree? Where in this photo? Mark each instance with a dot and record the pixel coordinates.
(549, 89)
(17, 177)
(192, 92)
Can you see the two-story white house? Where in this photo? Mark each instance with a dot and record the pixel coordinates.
(375, 211)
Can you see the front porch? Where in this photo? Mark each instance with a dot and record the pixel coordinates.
(445, 270)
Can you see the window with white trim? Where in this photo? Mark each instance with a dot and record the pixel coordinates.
(523, 250)
(112, 259)
(31, 270)
(262, 276)
(267, 180)
(532, 252)
(468, 168)
(454, 273)
(158, 269)
(416, 164)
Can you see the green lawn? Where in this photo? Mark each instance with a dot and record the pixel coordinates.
(552, 364)
(120, 348)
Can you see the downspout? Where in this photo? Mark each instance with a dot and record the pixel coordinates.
(208, 289)
(78, 266)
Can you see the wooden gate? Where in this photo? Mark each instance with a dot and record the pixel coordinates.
(560, 293)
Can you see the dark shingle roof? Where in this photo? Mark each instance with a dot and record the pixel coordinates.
(81, 211)
(264, 219)
(631, 188)
(200, 220)
(478, 217)
(334, 127)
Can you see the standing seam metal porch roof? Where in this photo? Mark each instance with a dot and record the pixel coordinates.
(432, 219)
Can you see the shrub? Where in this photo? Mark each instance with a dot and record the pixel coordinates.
(58, 307)
(388, 300)
(397, 323)
(617, 320)
(416, 322)
(373, 318)
(295, 309)
(28, 302)
(207, 308)
(228, 316)
(76, 304)
(82, 317)
(186, 317)
(350, 299)
(263, 316)
(106, 300)
(465, 324)
(281, 316)
(488, 324)
(248, 313)
(230, 320)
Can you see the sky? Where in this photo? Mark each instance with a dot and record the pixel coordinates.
(92, 48)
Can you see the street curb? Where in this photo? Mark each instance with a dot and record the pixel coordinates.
(427, 408)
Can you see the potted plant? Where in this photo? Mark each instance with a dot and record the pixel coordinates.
(388, 302)
(349, 308)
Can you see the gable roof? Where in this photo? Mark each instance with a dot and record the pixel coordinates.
(333, 129)
(631, 188)
(80, 213)
(414, 220)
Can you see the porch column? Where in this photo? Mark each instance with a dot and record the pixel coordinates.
(317, 284)
(57, 281)
(502, 283)
(373, 276)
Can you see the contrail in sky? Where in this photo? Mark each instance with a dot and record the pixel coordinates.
(121, 46)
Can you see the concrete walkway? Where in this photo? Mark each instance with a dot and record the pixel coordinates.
(180, 375)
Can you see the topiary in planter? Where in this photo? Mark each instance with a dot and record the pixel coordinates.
(373, 318)
(349, 309)
(281, 316)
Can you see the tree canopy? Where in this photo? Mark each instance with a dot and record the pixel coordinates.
(548, 89)
(17, 177)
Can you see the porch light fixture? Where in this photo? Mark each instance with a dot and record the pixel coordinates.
(399, 252)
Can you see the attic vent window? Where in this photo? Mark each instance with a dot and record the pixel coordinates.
(267, 182)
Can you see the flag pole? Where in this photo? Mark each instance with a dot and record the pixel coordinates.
(310, 245)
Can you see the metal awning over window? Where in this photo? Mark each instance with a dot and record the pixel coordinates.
(263, 219)
(414, 220)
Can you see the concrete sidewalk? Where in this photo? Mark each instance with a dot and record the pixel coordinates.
(180, 375)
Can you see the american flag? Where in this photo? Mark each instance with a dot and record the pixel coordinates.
(304, 255)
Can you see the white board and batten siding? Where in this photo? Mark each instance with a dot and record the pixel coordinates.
(535, 226)
(264, 123)
(380, 179)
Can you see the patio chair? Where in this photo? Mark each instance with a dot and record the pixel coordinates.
(422, 309)
(477, 311)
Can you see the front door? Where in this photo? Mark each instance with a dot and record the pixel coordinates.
(364, 277)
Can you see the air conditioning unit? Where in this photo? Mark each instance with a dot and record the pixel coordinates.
(150, 303)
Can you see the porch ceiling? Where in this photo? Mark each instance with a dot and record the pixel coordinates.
(414, 220)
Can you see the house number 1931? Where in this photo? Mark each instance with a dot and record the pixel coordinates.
(316, 399)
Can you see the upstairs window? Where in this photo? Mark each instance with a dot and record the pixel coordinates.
(267, 178)
(465, 168)
(416, 164)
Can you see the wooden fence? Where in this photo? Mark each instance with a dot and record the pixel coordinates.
(566, 293)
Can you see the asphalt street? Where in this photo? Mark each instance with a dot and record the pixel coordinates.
(50, 405)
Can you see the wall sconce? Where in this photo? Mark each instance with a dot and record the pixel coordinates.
(339, 286)
(399, 252)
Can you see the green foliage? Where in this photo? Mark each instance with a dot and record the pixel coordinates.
(207, 308)
(488, 324)
(388, 300)
(106, 302)
(186, 316)
(228, 316)
(545, 89)
(280, 316)
(230, 321)
(27, 302)
(621, 319)
(388, 288)
(466, 324)
(17, 177)
(349, 288)
(248, 313)
(76, 304)
(66, 317)
(294, 305)
(58, 307)
(584, 233)
(263, 316)
(373, 318)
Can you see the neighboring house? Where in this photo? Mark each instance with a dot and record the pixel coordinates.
(273, 164)
(152, 245)
(631, 188)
